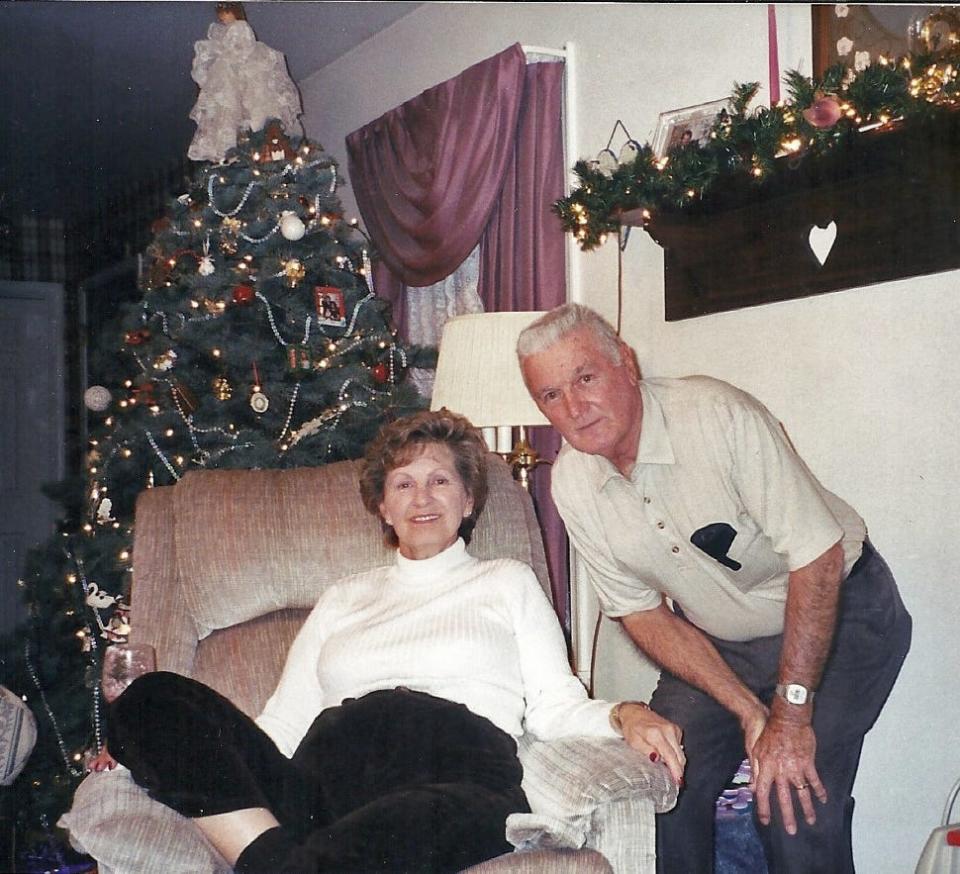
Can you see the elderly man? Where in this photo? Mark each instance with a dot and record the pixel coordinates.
(778, 627)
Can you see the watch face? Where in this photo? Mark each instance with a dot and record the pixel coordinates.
(796, 694)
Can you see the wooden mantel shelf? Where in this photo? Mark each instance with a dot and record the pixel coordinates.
(893, 196)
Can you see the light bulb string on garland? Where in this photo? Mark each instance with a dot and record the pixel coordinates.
(35, 677)
(293, 401)
(744, 147)
(367, 271)
(175, 396)
(238, 207)
(163, 458)
(356, 312)
(264, 238)
(220, 453)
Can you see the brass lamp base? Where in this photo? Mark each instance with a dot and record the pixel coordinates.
(523, 459)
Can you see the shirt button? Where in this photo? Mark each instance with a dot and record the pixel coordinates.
(646, 500)
(675, 550)
(659, 524)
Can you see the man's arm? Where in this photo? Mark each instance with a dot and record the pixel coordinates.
(686, 652)
(783, 755)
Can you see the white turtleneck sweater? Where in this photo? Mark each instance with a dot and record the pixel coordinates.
(480, 633)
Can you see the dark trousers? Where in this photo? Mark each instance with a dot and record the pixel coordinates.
(870, 644)
(394, 781)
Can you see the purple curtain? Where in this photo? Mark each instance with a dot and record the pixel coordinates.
(478, 158)
(427, 174)
(522, 267)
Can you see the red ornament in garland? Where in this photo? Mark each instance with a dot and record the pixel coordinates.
(380, 372)
(243, 295)
(137, 338)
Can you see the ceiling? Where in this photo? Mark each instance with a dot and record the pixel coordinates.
(93, 94)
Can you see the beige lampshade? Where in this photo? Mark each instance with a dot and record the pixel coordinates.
(477, 371)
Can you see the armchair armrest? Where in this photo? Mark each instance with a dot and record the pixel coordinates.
(594, 792)
(127, 832)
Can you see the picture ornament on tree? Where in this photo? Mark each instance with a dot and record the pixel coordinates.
(298, 359)
(330, 305)
(259, 402)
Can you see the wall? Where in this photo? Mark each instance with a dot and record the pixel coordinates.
(865, 380)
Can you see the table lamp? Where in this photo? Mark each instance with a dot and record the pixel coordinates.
(478, 376)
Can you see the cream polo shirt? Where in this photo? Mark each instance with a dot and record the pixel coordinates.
(717, 511)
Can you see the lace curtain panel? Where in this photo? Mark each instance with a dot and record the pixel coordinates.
(429, 308)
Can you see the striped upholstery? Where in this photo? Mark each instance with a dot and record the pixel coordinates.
(226, 567)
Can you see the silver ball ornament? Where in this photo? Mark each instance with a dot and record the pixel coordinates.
(292, 226)
(97, 398)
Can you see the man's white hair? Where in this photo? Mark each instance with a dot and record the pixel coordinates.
(553, 326)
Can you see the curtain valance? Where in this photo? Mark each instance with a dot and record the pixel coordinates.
(427, 174)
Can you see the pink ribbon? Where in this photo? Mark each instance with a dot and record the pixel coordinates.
(773, 55)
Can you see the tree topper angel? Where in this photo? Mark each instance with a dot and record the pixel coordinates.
(242, 82)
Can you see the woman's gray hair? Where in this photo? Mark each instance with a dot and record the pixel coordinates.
(553, 326)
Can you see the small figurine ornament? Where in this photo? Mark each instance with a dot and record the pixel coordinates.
(243, 83)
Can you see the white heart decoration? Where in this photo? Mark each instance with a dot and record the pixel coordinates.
(822, 240)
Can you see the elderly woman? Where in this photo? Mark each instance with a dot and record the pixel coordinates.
(390, 741)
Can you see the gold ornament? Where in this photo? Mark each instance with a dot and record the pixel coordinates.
(294, 271)
(222, 388)
(937, 33)
(229, 230)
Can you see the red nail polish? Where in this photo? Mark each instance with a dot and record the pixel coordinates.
(654, 757)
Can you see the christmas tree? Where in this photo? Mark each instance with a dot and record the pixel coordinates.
(258, 342)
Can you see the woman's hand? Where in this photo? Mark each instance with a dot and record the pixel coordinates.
(657, 738)
(102, 761)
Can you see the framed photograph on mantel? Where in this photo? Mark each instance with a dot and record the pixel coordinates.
(678, 127)
(856, 34)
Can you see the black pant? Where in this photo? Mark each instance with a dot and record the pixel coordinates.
(870, 644)
(394, 781)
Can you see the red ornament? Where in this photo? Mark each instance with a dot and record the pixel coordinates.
(824, 112)
(137, 338)
(243, 295)
(144, 393)
(380, 372)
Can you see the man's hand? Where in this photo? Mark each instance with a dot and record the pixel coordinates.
(783, 757)
(782, 760)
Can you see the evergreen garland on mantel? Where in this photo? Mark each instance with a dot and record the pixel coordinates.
(820, 116)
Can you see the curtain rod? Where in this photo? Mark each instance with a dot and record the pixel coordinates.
(540, 50)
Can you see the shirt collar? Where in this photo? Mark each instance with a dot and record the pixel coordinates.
(654, 447)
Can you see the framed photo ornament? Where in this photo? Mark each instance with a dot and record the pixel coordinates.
(691, 124)
(331, 307)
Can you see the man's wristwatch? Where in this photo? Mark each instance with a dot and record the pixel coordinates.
(795, 693)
